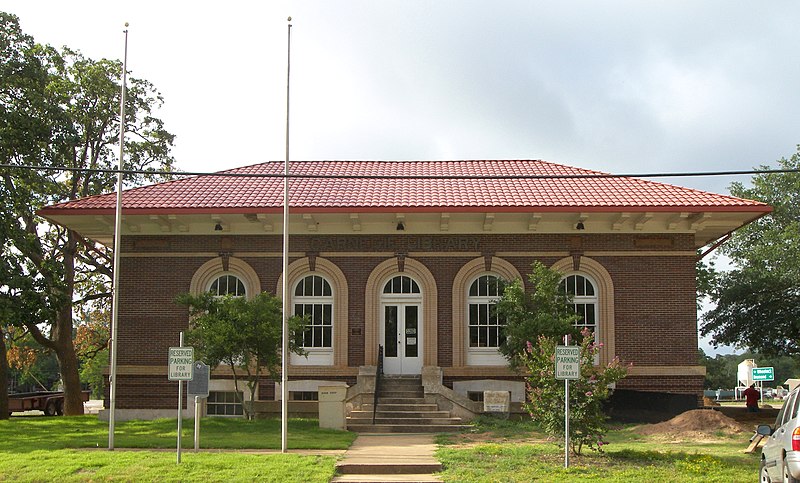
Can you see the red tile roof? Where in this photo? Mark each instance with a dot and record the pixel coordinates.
(329, 186)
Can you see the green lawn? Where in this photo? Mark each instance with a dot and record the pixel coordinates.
(47, 449)
(526, 456)
(222, 433)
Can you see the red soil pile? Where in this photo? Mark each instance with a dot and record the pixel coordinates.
(703, 421)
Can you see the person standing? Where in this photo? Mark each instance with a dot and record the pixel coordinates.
(751, 396)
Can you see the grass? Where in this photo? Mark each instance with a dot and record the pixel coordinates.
(47, 449)
(219, 433)
(629, 457)
(82, 465)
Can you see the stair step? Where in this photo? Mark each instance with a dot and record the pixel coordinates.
(412, 394)
(383, 478)
(387, 469)
(401, 407)
(404, 421)
(400, 414)
(407, 428)
(401, 400)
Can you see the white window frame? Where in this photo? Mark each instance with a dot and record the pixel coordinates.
(227, 274)
(487, 355)
(316, 355)
(587, 300)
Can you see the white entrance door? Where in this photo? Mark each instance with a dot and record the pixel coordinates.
(401, 337)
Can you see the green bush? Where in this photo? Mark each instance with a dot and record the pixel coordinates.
(586, 395)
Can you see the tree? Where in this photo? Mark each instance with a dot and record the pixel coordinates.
(721, 370)
(3, 376)
(758, 301)
(58, 110)
(244, 334)
(546, 394)
(545, 315)
(91, 345)
(546, 310)
(31, 365)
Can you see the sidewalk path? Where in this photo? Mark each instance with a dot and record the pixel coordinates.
(389, 458)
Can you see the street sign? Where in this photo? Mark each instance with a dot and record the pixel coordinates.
(763, 374)
(198, 386)
(181, 367)
(568, 362)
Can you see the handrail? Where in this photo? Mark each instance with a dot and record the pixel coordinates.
(378, 374)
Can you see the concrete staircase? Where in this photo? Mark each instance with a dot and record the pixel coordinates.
(402, 409)
(389, 458)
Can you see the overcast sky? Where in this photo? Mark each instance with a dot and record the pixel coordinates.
(616, 86)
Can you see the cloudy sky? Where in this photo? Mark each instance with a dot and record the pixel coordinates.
(617, 86)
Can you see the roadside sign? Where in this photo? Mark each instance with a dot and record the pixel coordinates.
(568, 362)
(181, 367)
(763, 374)
(198, 386)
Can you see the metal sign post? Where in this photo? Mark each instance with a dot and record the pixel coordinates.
(566, 423)
(180, 369)
(568, 366)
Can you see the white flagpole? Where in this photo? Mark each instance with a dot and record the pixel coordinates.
(112, 402)
(285, 302)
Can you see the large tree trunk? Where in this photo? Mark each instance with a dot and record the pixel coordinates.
(68, 364)
(3, 378)
(64, 346)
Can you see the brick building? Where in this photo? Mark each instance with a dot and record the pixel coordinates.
(402, 254)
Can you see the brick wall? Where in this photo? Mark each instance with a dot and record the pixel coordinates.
(655, 314)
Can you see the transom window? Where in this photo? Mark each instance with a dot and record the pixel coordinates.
(486, 328)
(313, 299)
(227, 285)
(303, 396)
(401, 284)
(584, 299)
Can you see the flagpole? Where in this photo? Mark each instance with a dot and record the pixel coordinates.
(285, 302)
(112, 400)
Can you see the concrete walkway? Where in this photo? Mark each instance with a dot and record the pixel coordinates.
(389, 458)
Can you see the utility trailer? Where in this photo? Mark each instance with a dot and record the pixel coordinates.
(50, 402)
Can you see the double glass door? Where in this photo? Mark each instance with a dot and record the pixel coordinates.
(401, 337)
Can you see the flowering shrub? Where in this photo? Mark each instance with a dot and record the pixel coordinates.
(586, 395)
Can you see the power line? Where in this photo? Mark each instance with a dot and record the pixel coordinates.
(228, 174)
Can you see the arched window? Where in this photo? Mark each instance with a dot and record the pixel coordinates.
(584, 298)
(313, 298)
(486, 328)
(227, 285)
(401, 285)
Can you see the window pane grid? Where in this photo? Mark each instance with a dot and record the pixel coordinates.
(227, 285)
(584, 300)
(486, 328)
(401, 284)
(223, 403)
(314, 300)
(319, 327)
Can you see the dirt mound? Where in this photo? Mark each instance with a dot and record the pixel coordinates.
(703, 421)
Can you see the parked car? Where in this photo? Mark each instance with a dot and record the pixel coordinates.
(780, 455)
